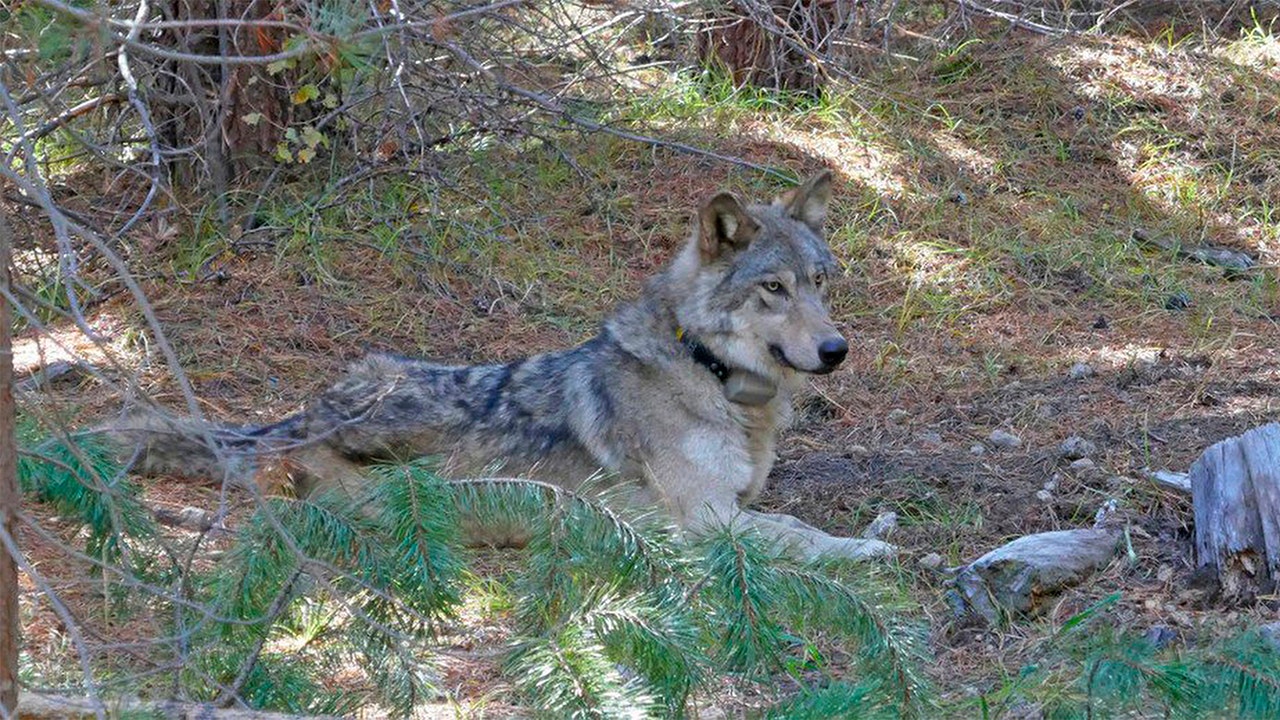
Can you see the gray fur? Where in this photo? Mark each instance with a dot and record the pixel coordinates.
(631, 402)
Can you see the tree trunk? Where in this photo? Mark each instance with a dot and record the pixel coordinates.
(1235, 493)
(10, 628)
(206, 107)
(777, 44)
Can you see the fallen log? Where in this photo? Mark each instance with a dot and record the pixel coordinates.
(39, 706)
(1018, 577)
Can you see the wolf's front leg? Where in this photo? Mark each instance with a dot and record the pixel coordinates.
(711, 511)
(812, 543)
(701, 488)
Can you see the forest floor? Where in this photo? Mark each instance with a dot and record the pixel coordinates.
(985, 213)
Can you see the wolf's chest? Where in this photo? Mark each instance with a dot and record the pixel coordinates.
(757, 433)
(724, 456)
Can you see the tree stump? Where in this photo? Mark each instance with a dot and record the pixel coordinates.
(1235, 493)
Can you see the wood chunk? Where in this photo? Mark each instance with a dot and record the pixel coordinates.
(1018, 576)
(1235, 494)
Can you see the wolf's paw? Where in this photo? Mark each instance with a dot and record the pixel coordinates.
(860, 549)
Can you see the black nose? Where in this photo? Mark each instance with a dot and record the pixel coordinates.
(832, 351)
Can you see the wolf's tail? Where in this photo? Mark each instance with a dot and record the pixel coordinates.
(155, 445)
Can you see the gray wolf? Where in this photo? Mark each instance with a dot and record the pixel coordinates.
(679, 398)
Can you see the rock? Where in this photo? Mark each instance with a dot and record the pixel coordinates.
(1024, 710)
(195, 518)
(1083, 465)
(1052, 483)
(1207, 254)
(43, 706)
(1076, 447)
(882, 527)
(1159, 636)
(929, 437)
(897, 416)
(1080, 371)
(932, 561)
(1019, 576)
(59, 369)
(863, 548)
(1107, 515)
(978, 449)
(1004, 439)
(1177, 301)
(1146, 359)
(1044, 495)
(188, 518)
(1271, 633)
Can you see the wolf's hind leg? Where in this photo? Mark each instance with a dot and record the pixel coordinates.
(320, 468)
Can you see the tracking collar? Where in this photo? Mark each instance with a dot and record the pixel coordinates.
(703, 356)
(740, 386)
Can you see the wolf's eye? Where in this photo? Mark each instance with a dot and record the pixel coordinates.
(819, 279)
(773, 286)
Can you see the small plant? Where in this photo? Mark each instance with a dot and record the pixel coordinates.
(611, 616)
(81, 478)
(1091, 669)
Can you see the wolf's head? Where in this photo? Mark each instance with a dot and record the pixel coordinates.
(752, 283)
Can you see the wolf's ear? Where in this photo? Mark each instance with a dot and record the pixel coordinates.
(724, 226)
(808, 203)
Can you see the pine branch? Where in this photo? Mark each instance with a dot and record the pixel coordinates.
(655, 634)
(1245, 672)
(837, 701)
(420, 515)
(1119, 673)
(613, 619)
(400, 669)
(743, 587)
(571, 676)
(623, 545)
(870, 616)
(232, 692)
(339, 539)
(82, 479)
